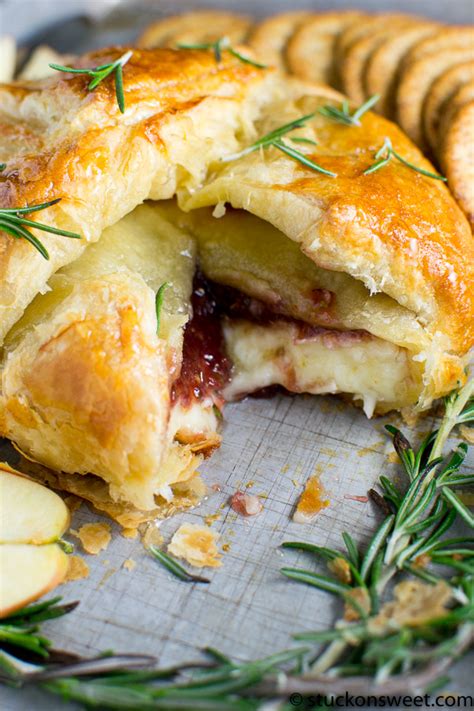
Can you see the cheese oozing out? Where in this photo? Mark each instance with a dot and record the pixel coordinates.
(365, 345)
(373, 371)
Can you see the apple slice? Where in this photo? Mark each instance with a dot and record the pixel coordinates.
(29, 512)
(27, 572)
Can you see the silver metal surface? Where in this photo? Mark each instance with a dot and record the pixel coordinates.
(249, 609)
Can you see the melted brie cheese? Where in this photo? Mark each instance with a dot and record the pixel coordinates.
(373, 371)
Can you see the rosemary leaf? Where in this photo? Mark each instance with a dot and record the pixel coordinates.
(301, 158)
(160, 295)
(327, 553)
(375, 546)
(344, 116)
(319, 581)
(376, 166)
(98, 74)
(428, 173)
(12, 222)
(269, 138)
(457, 504)
(351, 548)
(385, 154)
(220, 45)
(174, 567)
(302, 139)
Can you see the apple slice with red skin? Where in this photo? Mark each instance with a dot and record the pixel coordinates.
(32, 518)
(28, 572)
(29, 512)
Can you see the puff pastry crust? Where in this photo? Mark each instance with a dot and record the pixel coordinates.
(61, 141)
(85, 379)
(395, 230)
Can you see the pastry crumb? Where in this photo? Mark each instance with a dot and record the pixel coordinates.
(341, 569)
(467, 433)
(311, 501)
(414, 604)
(95, 537)
(212, 518)
(151, 536)
(129, 564)
(129, 532)
(73, 502)
(77, 570)
(197, 545)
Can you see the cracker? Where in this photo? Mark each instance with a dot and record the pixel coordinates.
(445, 86)
(364, 28)
(355, 60)
(414, 85)
(381, 73)
(446, 38)
(195, 27)
(463, 96)
(458, 158)
(270, 37)
(311, 50)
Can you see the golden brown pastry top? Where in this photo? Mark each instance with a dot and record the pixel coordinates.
(61, 141)
(396, 230)
(48, 126)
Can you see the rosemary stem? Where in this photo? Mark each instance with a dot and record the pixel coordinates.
(449, 422)
(329, 657)
(386, 575)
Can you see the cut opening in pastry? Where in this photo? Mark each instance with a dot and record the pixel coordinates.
(93, 384)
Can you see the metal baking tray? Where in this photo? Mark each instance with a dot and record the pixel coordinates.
(249, 609)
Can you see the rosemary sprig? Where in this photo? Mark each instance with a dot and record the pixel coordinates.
(159, 298)
(174, 567)
(415, 530)
(274, 139)
(220, 45)
(385, 154)
(301, 158)
(98, 74)
(344, 115)
(12, 222)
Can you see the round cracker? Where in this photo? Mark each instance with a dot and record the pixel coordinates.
(270, 37)
(463, 95)
(442, 89)
(364, 28)
(458, 158)
(311, 50)
(381, 73)
(356, 57)
(446, 38)
(195, 27)
(415, 82)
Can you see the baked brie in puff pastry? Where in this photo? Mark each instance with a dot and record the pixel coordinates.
(268, 272)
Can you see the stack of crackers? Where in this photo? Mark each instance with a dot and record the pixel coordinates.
(422, 71)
